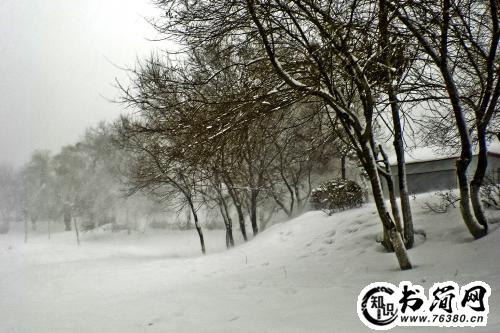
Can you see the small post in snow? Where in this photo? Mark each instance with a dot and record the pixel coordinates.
(76, 231)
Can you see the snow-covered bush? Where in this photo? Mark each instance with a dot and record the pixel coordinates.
(446, 199)
(336, 195)
(490, 195)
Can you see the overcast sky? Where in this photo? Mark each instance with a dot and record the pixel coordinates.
(54, 68)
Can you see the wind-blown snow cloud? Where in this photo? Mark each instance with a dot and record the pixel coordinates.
(56, 68)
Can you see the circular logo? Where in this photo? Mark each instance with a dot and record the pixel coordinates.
(377, 306)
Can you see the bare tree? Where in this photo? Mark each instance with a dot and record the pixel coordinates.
(307, 25)
(316, 49)
(393, 61)
(461, 40)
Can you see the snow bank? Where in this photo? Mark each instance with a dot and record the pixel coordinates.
(300, 276)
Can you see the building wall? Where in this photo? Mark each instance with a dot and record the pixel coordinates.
(429, 181)
(438, 175)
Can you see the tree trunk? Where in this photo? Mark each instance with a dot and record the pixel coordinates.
(342, 166)
(25, 229)
(237, 205)
(465, 201)
(392, 195)
(77, 232)
(253, 211)
(385, 217)
(440, 57)
(227, 224)
(477, 180)
(67, 221)
(408, 232)
(465, 156)
(241, 219)
(466, 150)
(197, 226)
(224, 218)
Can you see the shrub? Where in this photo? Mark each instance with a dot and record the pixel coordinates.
(490, 195)
(447, 199)
(336, 195)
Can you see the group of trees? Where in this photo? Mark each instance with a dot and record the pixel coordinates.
(264, 97)
(213, 131)
(80, 186)
(265, 91)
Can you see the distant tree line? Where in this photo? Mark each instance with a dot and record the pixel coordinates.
(81, 186)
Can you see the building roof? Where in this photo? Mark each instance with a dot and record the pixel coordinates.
(430, 153)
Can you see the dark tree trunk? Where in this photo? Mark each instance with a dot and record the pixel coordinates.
(241, 220)
(228, 224)
(465, 158)
(394, 203)
(237, 205)
(465, 201)
(224, 218)
(229, 235)
(385, 217)
(463, 162)
(477, 180)
(67, 217)
(342, 166)
(67, 220)
(408, 232)
(197, 225)
(253, 211)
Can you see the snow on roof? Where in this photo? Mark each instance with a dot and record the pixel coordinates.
(431, 153)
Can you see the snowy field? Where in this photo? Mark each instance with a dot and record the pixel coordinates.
(300, 276)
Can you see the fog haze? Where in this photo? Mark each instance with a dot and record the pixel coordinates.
(57, 68)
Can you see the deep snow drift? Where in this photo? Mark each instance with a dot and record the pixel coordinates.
(300, 276)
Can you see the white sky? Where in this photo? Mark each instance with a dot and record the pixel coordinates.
(54, 68)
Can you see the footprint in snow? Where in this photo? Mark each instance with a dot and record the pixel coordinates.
(351, 230)
(322, 251)
(234, 318)
(329, 241)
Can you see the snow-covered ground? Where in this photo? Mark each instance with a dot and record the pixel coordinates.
(299, 276)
